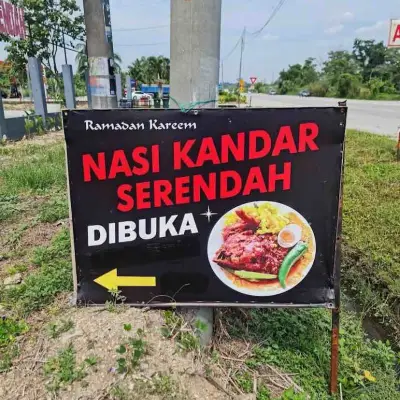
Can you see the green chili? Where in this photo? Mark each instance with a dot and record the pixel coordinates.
(290, 260)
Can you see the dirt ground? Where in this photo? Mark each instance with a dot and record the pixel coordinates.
(98, 333)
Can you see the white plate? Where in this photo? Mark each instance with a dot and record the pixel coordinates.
(215, 241)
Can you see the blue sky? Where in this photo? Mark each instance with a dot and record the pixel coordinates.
(301, 29)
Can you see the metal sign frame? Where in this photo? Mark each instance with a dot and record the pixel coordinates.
(333, 306)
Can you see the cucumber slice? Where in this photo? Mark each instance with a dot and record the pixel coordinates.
(254, 275)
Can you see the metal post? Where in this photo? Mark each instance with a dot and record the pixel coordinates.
(38, 89)
(333, 384)
(195, 41)
(69, 88)
(240, 64)
(128, 88)
(118, 84)
(88, 92)
(100, 81)
(3, 124)
(65, 50)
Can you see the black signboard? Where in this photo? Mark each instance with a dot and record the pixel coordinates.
(213, 207)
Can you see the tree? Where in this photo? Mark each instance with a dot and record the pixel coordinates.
(48, 24)
(150, 69)
(81, 60)
(348, 86)
(339, 63)
(369, 56)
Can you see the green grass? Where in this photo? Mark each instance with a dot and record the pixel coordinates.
(10, 329)
(298, 341)
(54, 210)
(56, 330)
(34, 169)
(54, 275)
(63, 370)
(371, 226)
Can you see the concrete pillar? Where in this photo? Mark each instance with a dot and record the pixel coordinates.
(118, 84)
(88, 92)
(69, 87)
(195, 50)
(38, 92)
(98, 56)
(3, 126)
(128, 88)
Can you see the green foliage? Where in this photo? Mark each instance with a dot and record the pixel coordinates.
(40, 171)
(298, 341)
(8, 206)
(187, 339)
(46, 23)
(10, 329)
(230, 98)
(369, 71)
(371, 228)
(131, 352)
(260, 87)
(150, 69)
(54, 275)
(63, 370)
(56, 330)
(348, 86)
(116, 304)
(54, 210)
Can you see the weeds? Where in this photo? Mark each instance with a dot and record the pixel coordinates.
(53, 276)
(56, 330)
(63, 370)
(371, 226)
(161, 386)
(298, 341)
(117, 302)
(10, 329)
(187, 338)
(131, 352)
(54, 211)
(39, 172)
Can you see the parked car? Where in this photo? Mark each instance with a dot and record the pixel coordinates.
(272, 92)
(304, 93)
(137, 95)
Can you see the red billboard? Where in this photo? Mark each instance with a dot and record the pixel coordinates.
(12, 20)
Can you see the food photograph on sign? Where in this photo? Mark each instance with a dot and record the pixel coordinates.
(261, 248)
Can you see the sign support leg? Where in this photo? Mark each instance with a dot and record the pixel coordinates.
(333, 384)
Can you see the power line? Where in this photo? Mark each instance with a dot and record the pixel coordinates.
(234, 47)
(271, 17)
(140, 29)
(139, 44)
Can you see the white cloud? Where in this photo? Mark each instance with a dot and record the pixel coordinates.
(373, 28)
(348, 16)
(334, 29)
(270, 37)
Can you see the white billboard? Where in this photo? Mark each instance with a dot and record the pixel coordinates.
(394, 33)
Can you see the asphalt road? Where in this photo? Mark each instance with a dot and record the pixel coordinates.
(380, 117)
(51, 107)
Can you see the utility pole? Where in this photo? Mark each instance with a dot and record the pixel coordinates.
(240, 64)
(195, 52)
(195, 48)
(222, 75)
(100, 57)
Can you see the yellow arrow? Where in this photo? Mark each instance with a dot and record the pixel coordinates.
(111, 280)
